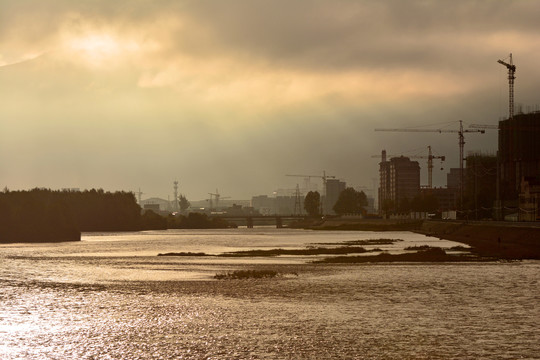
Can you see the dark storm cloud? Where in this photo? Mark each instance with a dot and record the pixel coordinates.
(338, 35)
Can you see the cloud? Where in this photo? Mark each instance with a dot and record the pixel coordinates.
(234, 94)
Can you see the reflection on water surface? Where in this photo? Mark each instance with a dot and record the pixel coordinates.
(110, 296)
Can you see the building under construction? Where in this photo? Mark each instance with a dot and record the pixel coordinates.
(480, 186)
(519, 157)
(519, 152)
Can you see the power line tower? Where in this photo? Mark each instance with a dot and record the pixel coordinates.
(511, 77)
(175, 202)
(139, 195)
(297, 201)
(324, 177)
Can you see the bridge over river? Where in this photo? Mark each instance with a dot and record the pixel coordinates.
(251, 220)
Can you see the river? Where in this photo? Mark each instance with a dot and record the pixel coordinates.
(110, 296)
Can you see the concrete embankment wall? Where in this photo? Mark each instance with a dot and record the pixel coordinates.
(505, 240)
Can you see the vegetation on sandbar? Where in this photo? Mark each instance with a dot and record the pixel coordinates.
(278, 252)
(247, 274)
(184, 254)
(429, 255)
(419, 247)
(365, 242)
(310, 251)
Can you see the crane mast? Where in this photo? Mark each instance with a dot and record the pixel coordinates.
(430, 166)
(511, 77)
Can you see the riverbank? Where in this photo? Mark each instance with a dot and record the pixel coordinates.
(501, 240)
(367, 224)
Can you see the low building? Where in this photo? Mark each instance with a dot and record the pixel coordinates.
(156, 204)
(529, 200)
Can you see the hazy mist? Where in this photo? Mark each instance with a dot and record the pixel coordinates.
(235, 94)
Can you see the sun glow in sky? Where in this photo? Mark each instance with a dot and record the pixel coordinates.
(95, 48)
(234, 95)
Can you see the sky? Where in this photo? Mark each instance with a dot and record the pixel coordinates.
(233, 95)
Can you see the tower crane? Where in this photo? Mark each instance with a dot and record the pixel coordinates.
(323, 177)
(429, 158)
(511, 76)
(461, 137)
(216, 196)
(484, 126)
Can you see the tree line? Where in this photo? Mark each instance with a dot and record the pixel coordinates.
(44, 215)
(349, 201)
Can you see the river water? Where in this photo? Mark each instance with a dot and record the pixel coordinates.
(111, 297)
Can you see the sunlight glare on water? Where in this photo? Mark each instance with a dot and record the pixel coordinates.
(110, 296)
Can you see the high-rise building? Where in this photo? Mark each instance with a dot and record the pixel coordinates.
(334, 187)
(399, 180)
(384, 183)
(404, 179)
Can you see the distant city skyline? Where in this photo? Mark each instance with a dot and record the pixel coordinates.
(235, 95)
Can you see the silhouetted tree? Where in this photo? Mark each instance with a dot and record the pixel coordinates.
(153, 221)
(312, 203)
(350, 201)
(184, 203)
(36, 216)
